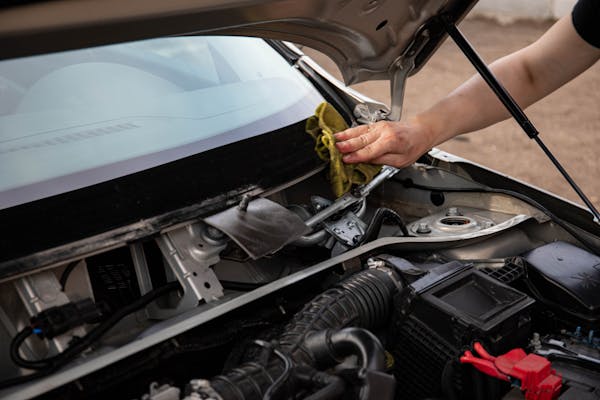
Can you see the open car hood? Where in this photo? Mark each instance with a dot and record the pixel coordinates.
(367, 39)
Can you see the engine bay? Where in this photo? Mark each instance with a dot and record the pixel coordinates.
(422, 284)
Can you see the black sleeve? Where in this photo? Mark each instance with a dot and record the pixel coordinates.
(586, 19)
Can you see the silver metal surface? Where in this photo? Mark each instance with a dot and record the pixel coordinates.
(455, 221)
(386, 173)
(401, 72)
(340, 204)
(369, 112)
(190, 257)
(263, 228)
(141, 268)
(163, 392)
(319, 236)
(364, 38)
(561, 349)
(348, 230)
(167, 329)
(350, 198)
(204, 387)
(312, 239)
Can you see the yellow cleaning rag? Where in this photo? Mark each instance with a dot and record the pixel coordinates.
(321, 127)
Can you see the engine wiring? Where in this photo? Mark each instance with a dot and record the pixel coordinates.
(272, 390)
(383, 214)
(49, 365)
(64, 276)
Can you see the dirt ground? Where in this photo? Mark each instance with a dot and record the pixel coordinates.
(568, 119)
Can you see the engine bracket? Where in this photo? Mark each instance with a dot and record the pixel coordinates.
(190, 255)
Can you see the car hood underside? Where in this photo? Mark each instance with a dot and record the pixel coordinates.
(368, 39)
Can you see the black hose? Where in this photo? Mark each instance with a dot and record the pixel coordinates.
(249, 381)
(19, 380)
(362, 300)
(382, 215)
(332, 347)
(331, 386)
(64, 277)
(16, 344)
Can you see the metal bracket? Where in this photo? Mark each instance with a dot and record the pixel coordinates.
(402, 70)
(369, 112)
(348, 230)
(190, 253)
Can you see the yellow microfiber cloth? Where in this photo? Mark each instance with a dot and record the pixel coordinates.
(321, 127)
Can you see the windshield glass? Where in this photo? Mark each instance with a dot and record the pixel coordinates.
(74, 119)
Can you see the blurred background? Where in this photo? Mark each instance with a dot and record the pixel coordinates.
(568, 119)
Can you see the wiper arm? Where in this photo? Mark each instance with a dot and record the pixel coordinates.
(515, 110)
(352, 197)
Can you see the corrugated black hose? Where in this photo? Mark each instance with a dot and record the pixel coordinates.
(315, 337)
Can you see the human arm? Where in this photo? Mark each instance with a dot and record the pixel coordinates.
(528, 74)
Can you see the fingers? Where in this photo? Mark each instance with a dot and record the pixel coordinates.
(354, 139)
(351, 133)
(385, 142)
(367, 153)
(363, 143)
(360, 141)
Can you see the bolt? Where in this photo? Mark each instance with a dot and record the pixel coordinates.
(453, 212)
(350, 224)
(243, 206)
(487, 224)
(337, 230)
(373, 263)
(423, 227)
(536, 342)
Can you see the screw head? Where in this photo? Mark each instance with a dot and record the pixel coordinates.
(423, 227)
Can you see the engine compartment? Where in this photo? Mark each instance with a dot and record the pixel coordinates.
(380, 299)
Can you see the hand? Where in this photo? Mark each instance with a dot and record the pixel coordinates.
(392, 143)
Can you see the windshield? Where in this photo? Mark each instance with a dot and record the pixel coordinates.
(74, 119)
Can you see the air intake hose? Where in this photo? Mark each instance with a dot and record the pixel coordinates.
(363, 300)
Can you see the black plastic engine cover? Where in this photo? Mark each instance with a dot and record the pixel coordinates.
(568, 277)
(448, 311)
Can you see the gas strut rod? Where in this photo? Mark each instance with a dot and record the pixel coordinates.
(515, 110)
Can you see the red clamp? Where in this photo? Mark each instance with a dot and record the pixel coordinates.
(534, 373)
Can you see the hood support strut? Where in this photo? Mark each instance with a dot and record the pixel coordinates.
(401, 69)
(515, 110)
